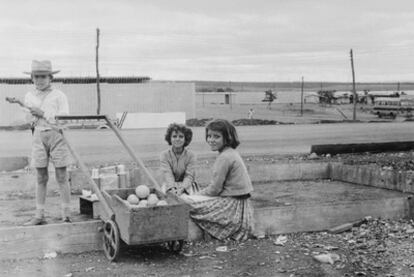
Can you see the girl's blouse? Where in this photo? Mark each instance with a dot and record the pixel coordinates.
(181, 169)
(230, 176)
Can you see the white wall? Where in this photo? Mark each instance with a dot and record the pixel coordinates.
(151, 97)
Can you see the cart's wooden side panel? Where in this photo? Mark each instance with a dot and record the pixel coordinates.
(122, 218)
(160, 223)
(149, 224)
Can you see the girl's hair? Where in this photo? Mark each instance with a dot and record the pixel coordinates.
(174, 127)
(230, 137)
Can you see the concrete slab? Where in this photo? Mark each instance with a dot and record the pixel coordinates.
(295, 206)
(318, 217)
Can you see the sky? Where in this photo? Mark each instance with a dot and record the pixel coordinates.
(245, 40)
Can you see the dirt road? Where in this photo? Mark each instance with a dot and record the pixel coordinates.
(101, 145)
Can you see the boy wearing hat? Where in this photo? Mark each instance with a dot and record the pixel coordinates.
(44, 104)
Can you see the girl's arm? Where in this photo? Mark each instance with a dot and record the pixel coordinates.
(189, 174)
(221, 169)
(166, 170)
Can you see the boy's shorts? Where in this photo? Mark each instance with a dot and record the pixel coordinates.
(49, 144)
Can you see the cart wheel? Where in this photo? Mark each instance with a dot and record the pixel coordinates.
(111, 241)
(175, 246)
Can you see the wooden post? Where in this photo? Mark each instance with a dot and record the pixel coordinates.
(353, 86)
(98, 88)
(301, 99)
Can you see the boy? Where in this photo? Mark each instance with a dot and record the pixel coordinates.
(44, 104)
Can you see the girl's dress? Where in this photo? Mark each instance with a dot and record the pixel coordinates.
(224, 209)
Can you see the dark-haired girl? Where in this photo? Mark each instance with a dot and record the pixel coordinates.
(178, 163)
(224, 210)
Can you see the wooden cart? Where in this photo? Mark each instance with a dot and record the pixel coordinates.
(130, 224)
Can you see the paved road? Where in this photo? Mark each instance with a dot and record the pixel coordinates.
(94, 145)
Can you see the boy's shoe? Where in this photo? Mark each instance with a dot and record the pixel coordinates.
(66, 219)
(35, 221)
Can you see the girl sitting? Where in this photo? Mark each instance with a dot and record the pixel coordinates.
(178, 163)
(223, 208)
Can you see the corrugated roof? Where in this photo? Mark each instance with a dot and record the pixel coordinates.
(80, 80)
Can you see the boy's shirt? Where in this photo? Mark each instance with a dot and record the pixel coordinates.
(52, 102)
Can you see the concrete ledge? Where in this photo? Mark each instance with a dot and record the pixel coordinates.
(374, 176)
(362, 147)
(13, 163)
(35, 241)
(290, 171)
(258, 173)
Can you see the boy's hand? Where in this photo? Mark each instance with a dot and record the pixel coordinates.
(36, 112)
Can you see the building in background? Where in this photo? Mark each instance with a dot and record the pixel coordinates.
(118, 95)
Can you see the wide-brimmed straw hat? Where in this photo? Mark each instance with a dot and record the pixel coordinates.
(41, 67)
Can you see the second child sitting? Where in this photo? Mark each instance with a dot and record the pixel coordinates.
(178, 163)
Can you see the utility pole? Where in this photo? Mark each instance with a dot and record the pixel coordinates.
(353, 86)
(301, 100)
(98, 88)
(230, 95)
(398, 86)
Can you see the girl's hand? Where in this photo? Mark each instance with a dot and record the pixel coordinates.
(179, 191)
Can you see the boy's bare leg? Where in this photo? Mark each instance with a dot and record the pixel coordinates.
(61, 178)
(41, 189)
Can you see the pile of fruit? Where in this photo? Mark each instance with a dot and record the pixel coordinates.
(143, 198)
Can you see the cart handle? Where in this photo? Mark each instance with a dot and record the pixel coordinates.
(108, 212)
(121, 139)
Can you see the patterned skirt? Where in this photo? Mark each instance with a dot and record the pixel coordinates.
(224, 217)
